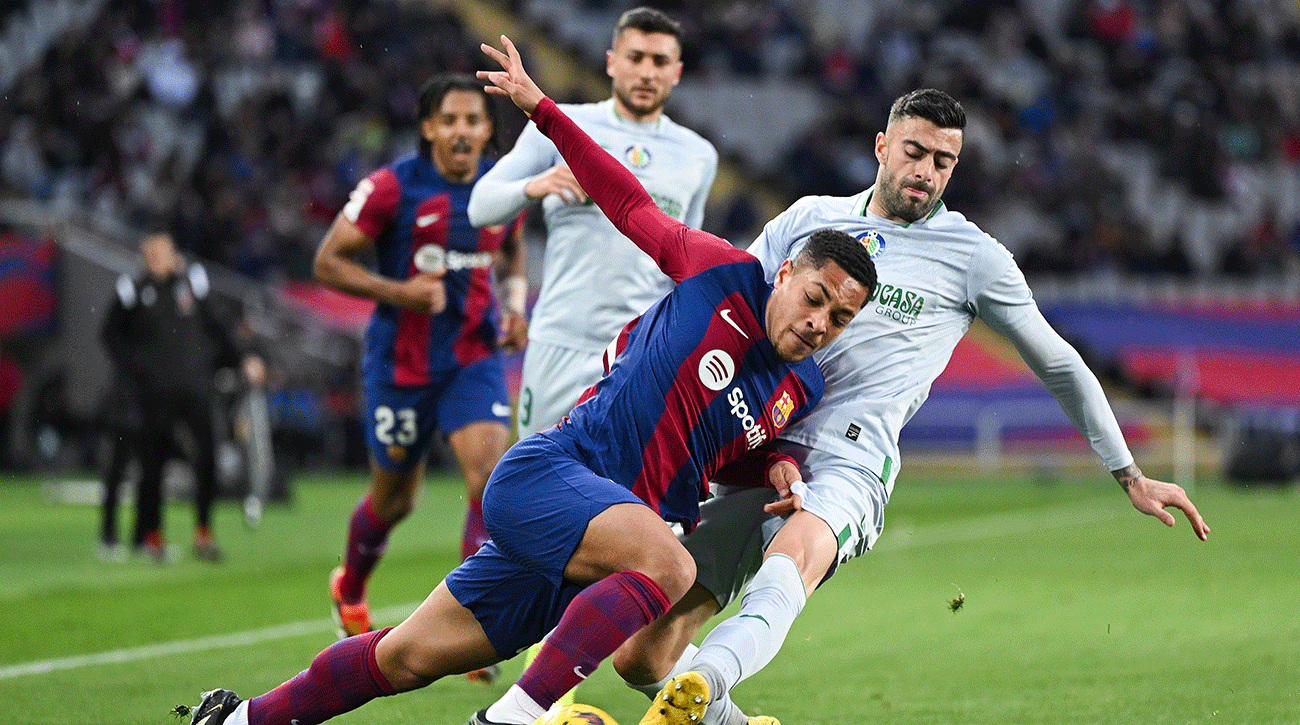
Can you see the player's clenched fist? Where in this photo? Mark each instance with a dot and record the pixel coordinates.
(424, 292)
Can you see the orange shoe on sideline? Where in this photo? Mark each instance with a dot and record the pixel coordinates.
(486, 675)
(154, 548)
(205, 547)
(352, 618)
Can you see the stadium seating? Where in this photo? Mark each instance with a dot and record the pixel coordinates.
(1235, 353)
(988, 402)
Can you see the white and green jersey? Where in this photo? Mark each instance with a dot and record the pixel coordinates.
(935, 276)
(595, 280)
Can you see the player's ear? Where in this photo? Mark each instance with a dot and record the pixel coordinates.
(783, 274)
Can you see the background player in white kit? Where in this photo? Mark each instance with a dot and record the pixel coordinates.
(595, 279)
(937, 272)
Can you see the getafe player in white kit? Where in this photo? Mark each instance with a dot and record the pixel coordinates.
(937, 272)
(595, 279)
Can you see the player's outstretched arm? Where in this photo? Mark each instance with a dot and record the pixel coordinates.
(1152, 497)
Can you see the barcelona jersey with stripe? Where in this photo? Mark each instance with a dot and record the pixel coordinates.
(697, 382)
(697, 385)
(413, 214)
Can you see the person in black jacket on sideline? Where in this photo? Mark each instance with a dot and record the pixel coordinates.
(167, 343)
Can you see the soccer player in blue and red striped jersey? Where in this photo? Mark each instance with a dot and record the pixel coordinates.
(432, 351)
(579, 544)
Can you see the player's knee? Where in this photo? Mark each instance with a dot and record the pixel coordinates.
(392, 503)
(674, 572)
(408, 665)
(395, 509)
(476, 478)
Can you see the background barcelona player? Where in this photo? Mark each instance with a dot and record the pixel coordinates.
(432, 358)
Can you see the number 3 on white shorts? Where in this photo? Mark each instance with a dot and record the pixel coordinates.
(404, 422)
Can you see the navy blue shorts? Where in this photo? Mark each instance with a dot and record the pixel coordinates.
(400, 420)
(537, 505)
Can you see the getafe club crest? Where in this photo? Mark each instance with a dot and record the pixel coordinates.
(638, 156)
(781, 410)
(874, 243)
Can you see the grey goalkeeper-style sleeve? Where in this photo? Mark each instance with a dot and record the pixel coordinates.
(1056, 363)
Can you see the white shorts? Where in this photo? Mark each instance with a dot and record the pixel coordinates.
(734, 530)
(553, 379)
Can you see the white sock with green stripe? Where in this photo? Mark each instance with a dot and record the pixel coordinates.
(745, 643)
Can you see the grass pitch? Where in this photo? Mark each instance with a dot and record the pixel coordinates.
(1076, 609)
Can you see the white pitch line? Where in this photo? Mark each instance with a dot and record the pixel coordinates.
(1015, 522)
(202, 644)
(1008, 523)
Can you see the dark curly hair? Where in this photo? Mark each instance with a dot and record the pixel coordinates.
(833, 245)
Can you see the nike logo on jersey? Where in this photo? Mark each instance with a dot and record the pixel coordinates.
(427, 219)
(577, 670)
(725, 314)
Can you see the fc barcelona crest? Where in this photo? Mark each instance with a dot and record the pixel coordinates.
(781, 410)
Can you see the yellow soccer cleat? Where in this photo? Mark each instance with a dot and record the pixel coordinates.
(681, 702)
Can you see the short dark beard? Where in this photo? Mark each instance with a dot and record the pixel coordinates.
(640, 114)
(896, 204)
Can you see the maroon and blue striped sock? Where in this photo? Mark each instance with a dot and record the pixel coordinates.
(595, 623)
(367, 540)
(343, 677)
(476, 533)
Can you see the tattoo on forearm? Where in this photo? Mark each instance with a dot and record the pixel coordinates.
(1127, 475)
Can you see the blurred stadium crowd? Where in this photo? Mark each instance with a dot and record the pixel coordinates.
(245, 124)
(1156, 136)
